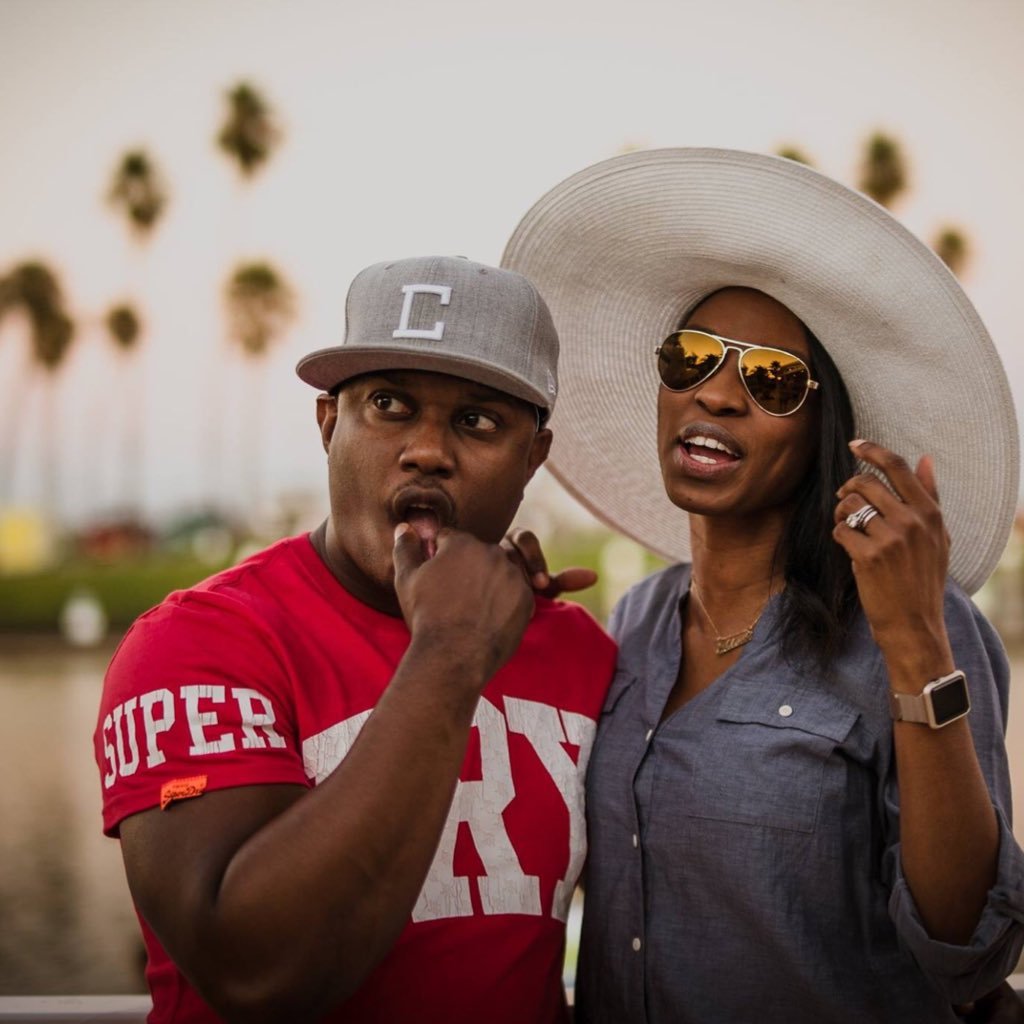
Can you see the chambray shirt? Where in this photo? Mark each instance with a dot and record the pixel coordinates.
(744, 858)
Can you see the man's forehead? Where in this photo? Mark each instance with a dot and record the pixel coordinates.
(413, 379)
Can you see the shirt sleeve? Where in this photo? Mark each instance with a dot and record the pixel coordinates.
(196, 698)
(969, 971)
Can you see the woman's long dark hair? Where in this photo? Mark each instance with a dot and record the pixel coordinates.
(821, 595)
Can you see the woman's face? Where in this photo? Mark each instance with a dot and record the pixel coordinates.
(767, 456)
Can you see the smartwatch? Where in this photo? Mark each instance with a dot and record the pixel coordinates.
(942, 701)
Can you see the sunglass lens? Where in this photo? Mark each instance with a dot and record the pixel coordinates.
(688, 357)
(776, 380)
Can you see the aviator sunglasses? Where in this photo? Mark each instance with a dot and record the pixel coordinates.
(777, 381)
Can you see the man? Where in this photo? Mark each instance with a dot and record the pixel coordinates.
(293, 856)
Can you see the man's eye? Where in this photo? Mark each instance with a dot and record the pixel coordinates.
(386, 402)
(479, 421)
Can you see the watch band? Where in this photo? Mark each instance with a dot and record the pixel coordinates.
(925, 709)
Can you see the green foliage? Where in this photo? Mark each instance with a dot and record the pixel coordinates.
(883, 173)
(124, 326)
(883, 177)
(250, 130)
(32, 603)
(952, 248)
(261, 306)
(35, 290)
(138, 191)
(795, 154)
(51, 340)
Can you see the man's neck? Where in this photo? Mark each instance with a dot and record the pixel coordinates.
(349, 576)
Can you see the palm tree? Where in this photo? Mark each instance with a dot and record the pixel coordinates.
(884, 178)
(795, 154)
(953, 248)
(33, 290)
(124, 326)
(250, 132)
(259, 301)
(260, 307)
(138, 191)
(883, 174)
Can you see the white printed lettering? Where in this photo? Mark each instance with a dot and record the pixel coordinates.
(541, 725)
(410, 291)
(199, 721)
(264, 719)
(322, 753)
(154, 725)
(108, 750)
(126, 711)
(506, 889)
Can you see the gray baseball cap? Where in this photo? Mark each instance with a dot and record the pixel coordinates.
(449, 315)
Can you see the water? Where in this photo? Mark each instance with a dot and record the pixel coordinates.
(68, 923)
(67, 919)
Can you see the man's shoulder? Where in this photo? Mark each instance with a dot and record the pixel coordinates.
(560, 615)
(246, 584)
(236, 608)
(565, 634)
(251, 574)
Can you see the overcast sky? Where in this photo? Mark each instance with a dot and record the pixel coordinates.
(418, 127)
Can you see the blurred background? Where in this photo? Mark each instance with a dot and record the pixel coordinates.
(186, 190)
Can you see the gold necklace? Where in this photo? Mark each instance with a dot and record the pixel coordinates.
(725, 644)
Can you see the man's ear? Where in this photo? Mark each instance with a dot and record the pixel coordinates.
(326, 417)
(538, 451)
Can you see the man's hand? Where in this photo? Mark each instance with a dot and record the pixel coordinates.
(524, 550)
(469, 599)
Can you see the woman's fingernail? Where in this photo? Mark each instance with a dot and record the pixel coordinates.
(857, 441)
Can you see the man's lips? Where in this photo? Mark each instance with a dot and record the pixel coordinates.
(427, 510)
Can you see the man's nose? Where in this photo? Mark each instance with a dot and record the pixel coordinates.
(428, 447)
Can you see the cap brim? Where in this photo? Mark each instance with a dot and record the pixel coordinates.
(329, 367)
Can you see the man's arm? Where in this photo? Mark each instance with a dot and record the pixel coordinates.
(277, 901)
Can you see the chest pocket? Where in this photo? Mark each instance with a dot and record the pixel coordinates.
(762, 761)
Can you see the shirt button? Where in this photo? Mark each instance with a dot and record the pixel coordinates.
(785, 711)
(636, 945)
(636, 842)
(647, 738)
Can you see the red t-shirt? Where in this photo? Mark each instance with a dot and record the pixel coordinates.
(265, 674)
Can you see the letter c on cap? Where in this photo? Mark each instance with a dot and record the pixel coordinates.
(410, 291)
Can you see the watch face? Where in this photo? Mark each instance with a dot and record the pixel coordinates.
(950, 700)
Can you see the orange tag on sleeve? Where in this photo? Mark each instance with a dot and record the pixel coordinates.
(181, 789)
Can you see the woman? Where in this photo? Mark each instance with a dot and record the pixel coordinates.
(798, 800)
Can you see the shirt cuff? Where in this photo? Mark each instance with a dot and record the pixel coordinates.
(969, 971)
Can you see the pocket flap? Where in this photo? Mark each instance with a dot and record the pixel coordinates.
(782, 704)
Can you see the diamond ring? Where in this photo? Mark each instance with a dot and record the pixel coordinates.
(859, 520)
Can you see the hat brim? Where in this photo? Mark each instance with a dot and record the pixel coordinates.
(329, 367)
(623, 249)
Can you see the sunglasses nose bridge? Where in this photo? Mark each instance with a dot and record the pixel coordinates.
(720, 389)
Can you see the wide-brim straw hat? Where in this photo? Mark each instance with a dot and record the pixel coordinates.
(624, 249)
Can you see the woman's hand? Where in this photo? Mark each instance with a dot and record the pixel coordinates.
(899, 556)
(523, 548)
